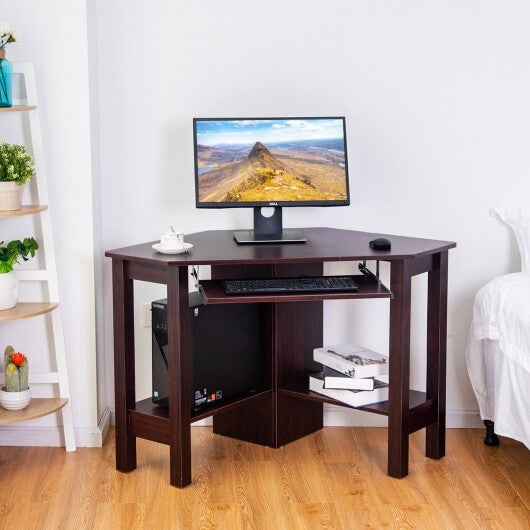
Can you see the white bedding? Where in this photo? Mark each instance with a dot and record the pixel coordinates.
(498, 354)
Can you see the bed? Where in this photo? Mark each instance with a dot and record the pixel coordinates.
(498, 350)
(498, 357)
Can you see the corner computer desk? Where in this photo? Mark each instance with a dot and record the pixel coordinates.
(284, 409)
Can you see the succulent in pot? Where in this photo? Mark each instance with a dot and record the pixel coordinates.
(15, 395)
(9, 256)
(16, 170)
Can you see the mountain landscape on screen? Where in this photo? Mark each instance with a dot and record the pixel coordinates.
(288, 165)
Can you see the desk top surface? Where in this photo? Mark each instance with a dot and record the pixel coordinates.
(323, 244)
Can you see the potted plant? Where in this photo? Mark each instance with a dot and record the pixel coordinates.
(15, 395)
(16, 170)
(7, 35)
(9, 255)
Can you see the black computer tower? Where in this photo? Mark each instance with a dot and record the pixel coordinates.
(225, 347)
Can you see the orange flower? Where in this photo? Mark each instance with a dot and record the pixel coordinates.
(18, 358)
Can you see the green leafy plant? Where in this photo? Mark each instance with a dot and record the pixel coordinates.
(10, 253)
(15, 164)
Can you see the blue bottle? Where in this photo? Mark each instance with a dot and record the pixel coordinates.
(5, 80)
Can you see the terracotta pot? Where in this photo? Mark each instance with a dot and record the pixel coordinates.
(11, 196)
(8, 290)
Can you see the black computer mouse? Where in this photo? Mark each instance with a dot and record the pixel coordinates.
(381, 243)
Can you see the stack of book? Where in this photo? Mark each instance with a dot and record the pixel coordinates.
(352, 374)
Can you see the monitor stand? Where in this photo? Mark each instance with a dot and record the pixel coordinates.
(268, 230)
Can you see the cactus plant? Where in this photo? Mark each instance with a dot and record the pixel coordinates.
(23, 374)
(16, 370)
(12, 378)
(7, 355)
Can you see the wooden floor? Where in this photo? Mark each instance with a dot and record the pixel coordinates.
(333, 479)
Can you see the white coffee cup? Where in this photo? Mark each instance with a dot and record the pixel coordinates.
(172, 240)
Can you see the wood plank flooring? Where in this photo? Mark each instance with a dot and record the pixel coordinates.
(335, 478)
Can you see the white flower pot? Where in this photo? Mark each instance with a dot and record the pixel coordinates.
(11, 196)
(15, 400)
(8, 290)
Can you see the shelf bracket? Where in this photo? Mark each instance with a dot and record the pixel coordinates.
(367, 272)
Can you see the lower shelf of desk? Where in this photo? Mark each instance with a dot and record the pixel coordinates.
(150, 421)
(422, 412)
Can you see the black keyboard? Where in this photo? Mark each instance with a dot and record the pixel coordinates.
(304, 284)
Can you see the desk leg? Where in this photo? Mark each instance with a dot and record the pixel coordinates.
(123, 299)
(398, 406)
(178, 357)
(436, 352)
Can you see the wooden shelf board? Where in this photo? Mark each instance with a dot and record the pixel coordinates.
(301, 390)
(27, 310)
(18, 108)
(37, 408)
(28, 209)
(146, 406)
(213, 293)
(150, 421)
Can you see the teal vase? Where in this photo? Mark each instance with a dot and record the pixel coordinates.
(5, 80)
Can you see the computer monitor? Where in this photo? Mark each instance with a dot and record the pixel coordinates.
(258, 162)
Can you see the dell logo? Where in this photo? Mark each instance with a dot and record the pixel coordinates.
(273, 204)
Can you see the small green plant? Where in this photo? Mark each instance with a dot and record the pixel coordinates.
(15, 164)
(16, 370)
(10, 253)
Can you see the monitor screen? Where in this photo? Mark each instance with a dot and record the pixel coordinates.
(270, 162)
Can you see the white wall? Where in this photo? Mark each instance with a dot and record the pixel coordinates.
(97, 213)
(436, 96)
(55, 41)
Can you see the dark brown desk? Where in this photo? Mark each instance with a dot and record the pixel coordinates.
(284, 409)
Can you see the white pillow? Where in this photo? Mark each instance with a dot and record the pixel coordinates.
(518, 217)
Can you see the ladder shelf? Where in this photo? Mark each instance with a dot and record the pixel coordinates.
(39, 407)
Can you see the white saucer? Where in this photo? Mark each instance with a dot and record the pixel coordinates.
(159, 248)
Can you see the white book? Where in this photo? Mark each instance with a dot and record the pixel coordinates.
(334, 379)
(354, 398)
(352, 360)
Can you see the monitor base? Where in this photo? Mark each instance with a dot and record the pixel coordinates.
(268, 229)
(245, 237)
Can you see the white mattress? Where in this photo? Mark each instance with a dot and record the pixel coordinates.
(498, 354)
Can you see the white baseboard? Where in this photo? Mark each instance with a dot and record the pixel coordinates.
(343, 417)
(464, 419)
(39, 436)
(104, 425)
(340, 416)
(27, 435)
